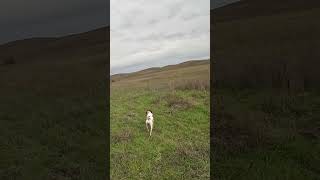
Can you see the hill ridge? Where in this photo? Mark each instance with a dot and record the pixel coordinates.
(163, 67)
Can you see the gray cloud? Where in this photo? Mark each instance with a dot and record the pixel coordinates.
(147, 34)
(21, 19)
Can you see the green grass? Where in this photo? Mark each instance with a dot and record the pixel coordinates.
(179, 145)
(53, 120)
(262, 134)
(52, 138)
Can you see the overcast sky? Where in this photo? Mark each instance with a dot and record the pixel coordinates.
(147, 34)
(21, 19)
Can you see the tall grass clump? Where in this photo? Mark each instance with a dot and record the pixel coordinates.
(197, 84)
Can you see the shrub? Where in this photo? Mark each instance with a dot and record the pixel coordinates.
(190, 85)
(176, 102)
(9, 60)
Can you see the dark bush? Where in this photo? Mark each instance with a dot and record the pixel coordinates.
(8, 61)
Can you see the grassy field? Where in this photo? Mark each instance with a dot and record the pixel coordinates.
(266, 101)
(262, 134)
(179, 146)
(53, 110)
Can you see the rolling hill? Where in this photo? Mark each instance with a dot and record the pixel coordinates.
(160, 76)
(52, 49)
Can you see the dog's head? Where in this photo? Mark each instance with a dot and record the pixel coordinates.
(148, 111)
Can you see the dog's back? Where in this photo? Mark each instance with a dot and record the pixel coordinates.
(149, 121)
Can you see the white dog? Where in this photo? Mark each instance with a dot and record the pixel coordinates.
(149, 121)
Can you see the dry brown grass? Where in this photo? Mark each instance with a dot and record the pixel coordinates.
(196, 84)
(124, 136)
(242, 131)
(176, 102)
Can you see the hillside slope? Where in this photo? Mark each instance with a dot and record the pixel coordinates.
(252, 8)
(267, 44)
(47, 49)
(161, 76)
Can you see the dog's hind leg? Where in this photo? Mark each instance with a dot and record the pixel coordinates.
(150, 129)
